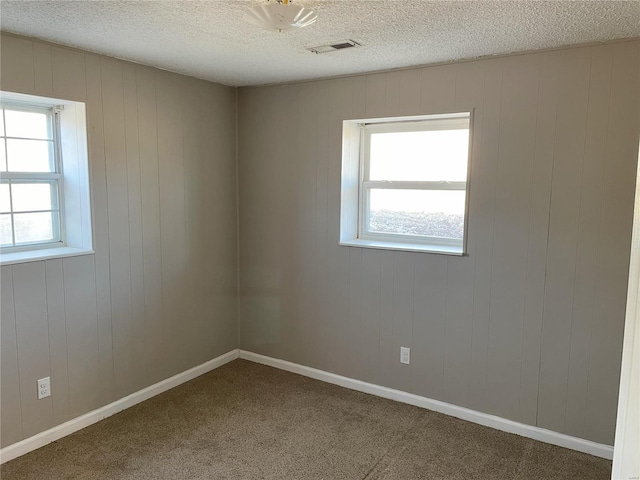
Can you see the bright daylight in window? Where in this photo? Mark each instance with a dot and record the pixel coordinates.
(30, 184)
(45, 204)
(412, 184)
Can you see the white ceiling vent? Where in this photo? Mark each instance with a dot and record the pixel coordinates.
(334, 46)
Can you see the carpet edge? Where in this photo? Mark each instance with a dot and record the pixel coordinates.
(474, 416)
(59, 431)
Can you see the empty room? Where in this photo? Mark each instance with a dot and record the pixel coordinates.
(319, 239)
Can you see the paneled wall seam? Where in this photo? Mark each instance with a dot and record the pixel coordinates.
(66, 334)
(110, 181)
(493, 240)
(530, 221)
(46, 302)
(531, 202)
(162, 280)
(546, 256)
(143, 303)
(599, 222)
(477, 146)
(108, 229)
(127, 189)
(237, 166)
(185, 188)
(444, 320)
(580, 210)
(15, 321)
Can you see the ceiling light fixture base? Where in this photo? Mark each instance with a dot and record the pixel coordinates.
(280, 15)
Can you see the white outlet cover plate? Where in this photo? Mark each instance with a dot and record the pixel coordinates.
(405, 355)
(44, 388)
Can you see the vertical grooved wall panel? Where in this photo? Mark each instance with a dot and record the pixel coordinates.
(528, 326)
(172, 213)
(538, 235)
(511, 232)
(69, 73)
(570, 135)
(43, 69)
(483, 181)
(11, 412)
(593, 172)
(136, 273)
(17, 65)
(155, 334)
(118, 217)
(32, 332)
(99, 325)
(58, 350)
(614, 240)
(82, 335)
(100, 220)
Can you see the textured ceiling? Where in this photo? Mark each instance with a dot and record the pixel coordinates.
(211, 40)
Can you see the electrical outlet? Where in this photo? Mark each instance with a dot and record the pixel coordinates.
(405, 355)
(44, 388)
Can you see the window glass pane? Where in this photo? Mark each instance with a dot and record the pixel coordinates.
(31, 196)
(3, 157)
(5, 230)
(5, 200)
(433, 213)
(27, 124)
(437, 155)
(34, 227)
(1, 122)
(30, 156)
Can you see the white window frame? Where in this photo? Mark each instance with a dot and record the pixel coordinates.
(55, 178)
(356, 183)
(72, 174)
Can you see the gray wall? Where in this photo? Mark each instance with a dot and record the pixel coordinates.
(529, 325)
(159, 295)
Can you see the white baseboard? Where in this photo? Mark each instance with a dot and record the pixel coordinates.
(499, 423)
(29, 444)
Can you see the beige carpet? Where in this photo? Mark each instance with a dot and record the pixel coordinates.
(248, 421)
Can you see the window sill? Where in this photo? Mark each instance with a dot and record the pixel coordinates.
(405, 247)
(44, 254)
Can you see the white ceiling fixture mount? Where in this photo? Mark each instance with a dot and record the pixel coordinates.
(280, 15)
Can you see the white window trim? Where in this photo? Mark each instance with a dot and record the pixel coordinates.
(56, 177)
(75, 194)
(352, 208)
